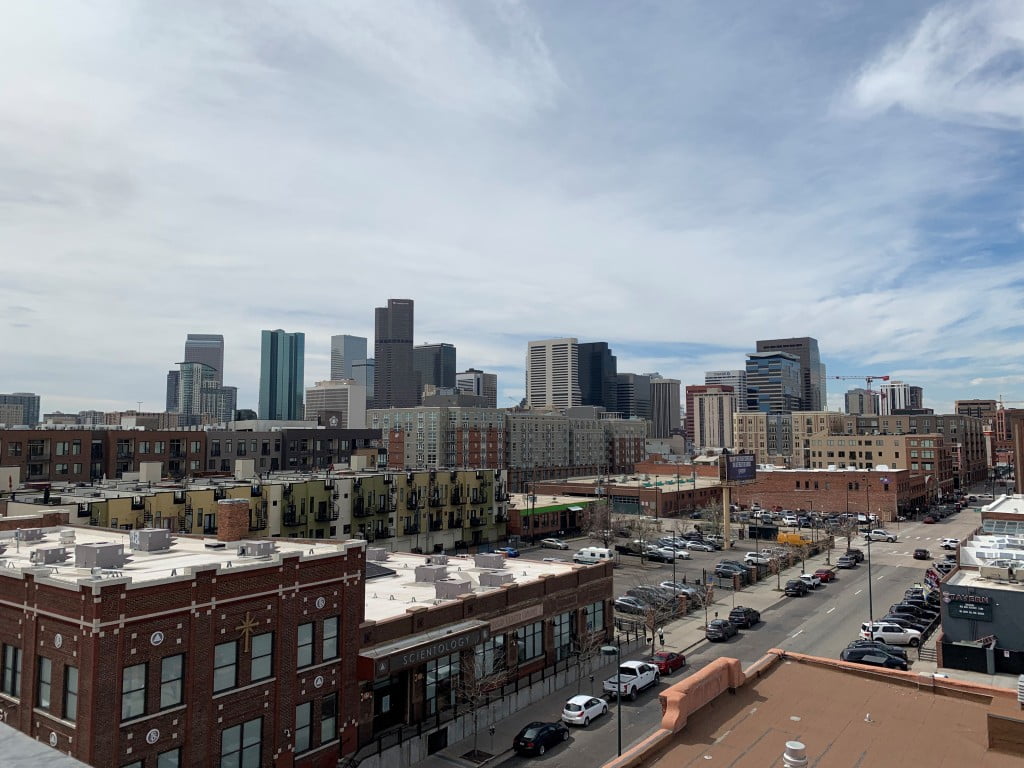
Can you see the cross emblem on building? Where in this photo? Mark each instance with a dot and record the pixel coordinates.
(246, 628)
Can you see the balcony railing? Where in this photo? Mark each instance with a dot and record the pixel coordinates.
(476, 522)
(436, 525)
(434, 501)
(409, 530)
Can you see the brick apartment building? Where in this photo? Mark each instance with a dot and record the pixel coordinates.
(189, 656)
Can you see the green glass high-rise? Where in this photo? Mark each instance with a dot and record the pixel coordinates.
(282, 367)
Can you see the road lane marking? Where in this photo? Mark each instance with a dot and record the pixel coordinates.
(880, 578)
(830, 609)
(858, 591)
(798, 632)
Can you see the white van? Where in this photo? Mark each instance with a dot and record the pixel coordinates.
(591, 555)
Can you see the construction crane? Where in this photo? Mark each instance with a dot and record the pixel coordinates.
(1002, 402)
(867, 382)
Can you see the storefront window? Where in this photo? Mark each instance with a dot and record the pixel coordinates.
(441, 678)
(595, 616)
(490, 657)
(562, 634)
(530, 640)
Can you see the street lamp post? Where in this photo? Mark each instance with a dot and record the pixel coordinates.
(613, 650)
(871, 602)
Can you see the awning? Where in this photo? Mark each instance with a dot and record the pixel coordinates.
(382, 660)
(575, 509)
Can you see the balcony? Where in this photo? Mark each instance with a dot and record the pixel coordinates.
(361, 509)
(327, 515)
(410, 530)
(476, 522)
(410, 502)
(383, 534)
(436, 525)
(434, 501)
(501, 517)
(176, 453)
(458, 498)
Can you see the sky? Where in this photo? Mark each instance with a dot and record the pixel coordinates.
(676, 178)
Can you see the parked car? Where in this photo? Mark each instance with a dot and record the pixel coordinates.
(741, 566)
(652, 595)
(756, 558)
(825, 574)
(720, 629)
(846, 561)
(718, 542)
(508, 551)
(856, 554)
(727, 571)
(700, 546)
(906, 621)
(892, 650)
(891, 633)
(944, 566)
(929, 520)
(628, 604)
(744, 617)
(554, 544)
(580, 710)
(950, 543)
(796, 588)
(631, 678)
(922, 554)
(537, 738)
(811, 580)
(668, 661)
(660, 554)
(789, 520)
(873, 657)
(913, 611)
(680, 588)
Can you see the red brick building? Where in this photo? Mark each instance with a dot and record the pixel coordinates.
(201, 654)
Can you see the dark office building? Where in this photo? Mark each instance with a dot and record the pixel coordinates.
(208, 349)
(434, 365)
(394, 378)
(598, 375)
(812, 373)
(282, 364)
(634, 395)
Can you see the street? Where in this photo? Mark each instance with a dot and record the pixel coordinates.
(821, 623)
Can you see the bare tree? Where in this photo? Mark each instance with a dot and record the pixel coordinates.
(646, 530)
(587, 649)
(599, 522)
(475, 689)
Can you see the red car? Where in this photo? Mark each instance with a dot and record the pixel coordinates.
(825, 574)
(668, 661)
(929, 520)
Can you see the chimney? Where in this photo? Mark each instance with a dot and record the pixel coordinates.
(232, 519)
(795, 755)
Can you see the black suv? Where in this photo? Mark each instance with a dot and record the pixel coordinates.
(873, 657)
(795, 588)
(744, 617)
(857, 554)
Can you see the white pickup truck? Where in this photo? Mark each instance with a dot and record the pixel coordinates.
(632, 677)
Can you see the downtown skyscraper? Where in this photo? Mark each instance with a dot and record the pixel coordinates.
(812, 372)
(208, 349)
(282, 367)
(394, 379)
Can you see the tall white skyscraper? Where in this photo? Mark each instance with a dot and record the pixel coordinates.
(552, 374)
(346, 351)
(895, 396)
(713, 410)
(343, 400)
(736, 379)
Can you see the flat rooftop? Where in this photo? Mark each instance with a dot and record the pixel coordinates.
(145, 567)
(845, 718)
(391, 595)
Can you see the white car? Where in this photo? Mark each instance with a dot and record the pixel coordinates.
(580, 710)
(950, 543)
(810, 580)
(756, 559)
(789, 520)
(880, 534)
(700, 546)
(553, 544)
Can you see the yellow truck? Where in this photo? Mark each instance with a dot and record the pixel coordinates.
(793, 539)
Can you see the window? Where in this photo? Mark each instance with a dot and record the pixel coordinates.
(70, 693)
(490, 656)
(76, 447)
(330, 639)
(172, 672)
(563, 636)
(303, 713)
(595, 616)
(304, 652)
(169, 759)
(136, 764)
(329, 718)
(133, 692)
(225, 666)
(13, 449)
(143, 446)
(531, 641)
(77, 469)
(61, 469)
(240, 745)
(44, 678)
(262, 664)
(61, 448)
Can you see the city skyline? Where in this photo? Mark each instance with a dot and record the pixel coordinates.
(846, 173)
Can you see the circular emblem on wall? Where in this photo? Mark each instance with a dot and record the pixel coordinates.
(156, 638)
(318, 681)
(320, 603)
(152, 736)
(58, 640)
(333, 421)
(53, 739)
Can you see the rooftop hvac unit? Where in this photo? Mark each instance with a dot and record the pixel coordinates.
(100, 554)
(29, 534)
(431, 573)
(437, 559)
(67, 536)
(449, 589)
(150, 539)
(376, 554)
(261, 549)
(49, 555)
(496, 578)
(489, 560)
